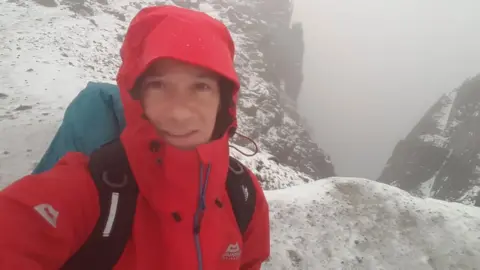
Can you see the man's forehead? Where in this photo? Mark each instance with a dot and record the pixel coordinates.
(165, 66)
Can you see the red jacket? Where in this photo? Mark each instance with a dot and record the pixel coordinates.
(68, 199)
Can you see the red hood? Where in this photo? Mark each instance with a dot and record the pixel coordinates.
(168, 177)
(173, 32)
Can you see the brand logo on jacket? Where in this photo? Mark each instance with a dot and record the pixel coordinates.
(233, 252)
(48, 213)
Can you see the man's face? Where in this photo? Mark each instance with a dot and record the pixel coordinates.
(181, 101)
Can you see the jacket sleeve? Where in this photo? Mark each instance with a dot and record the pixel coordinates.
(256, 245)
(45, 218)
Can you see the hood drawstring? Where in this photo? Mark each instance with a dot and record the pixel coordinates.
(249, 139)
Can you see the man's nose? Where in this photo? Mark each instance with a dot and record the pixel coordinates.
(180, 106)
(180, 112)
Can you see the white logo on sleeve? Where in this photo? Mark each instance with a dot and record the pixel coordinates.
(48, 213)
(233, 252)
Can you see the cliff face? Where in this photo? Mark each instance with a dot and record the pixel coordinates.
(440, 158)
(270, 59)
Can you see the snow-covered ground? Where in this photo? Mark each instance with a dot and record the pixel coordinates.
(350, 223)
(21, 146)
(337, 223)
(271, 174)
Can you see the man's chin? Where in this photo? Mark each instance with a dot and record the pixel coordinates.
(184, 147)
(182, 144)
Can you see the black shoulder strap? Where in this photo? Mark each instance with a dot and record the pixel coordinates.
(242, 193)
(117, 189)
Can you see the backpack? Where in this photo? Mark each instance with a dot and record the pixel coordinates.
(118, 196)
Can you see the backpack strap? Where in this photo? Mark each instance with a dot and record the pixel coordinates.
(118, 194)
(242, 193)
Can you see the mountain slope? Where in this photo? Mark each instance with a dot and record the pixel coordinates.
(440, 157)
(49, 52)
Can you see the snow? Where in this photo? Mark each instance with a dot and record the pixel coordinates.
(443, 115)
(349, 223)
(470, 195)
(21, 147)
(38, 62)
(454, 123)
(272, 175)
(288, 120)
(436, 139)
(425, 188)
(336, 223)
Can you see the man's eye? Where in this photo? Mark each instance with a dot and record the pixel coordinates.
(157, 84)
(202, 87)
(153, 84)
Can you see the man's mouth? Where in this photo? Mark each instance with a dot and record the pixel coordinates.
(179, 135)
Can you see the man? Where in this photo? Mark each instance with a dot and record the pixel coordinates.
(179, 91)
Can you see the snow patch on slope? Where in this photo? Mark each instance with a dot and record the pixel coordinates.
(46, 57)
(443, 121)
(425, 188)
(435, 139)
(21, 146)
(271, 174)
(348, 223)
(470, 195)
(443, 115)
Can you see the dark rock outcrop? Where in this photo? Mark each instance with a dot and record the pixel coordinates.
(440, 158)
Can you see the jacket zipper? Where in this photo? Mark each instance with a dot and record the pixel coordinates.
(198, 217)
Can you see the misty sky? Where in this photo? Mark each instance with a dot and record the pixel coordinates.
(373, 67)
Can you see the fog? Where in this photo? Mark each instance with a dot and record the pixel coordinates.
(373, 67)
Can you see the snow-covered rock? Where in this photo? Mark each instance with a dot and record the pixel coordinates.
(271, 173)
(348, 223)
(440, 158)
(50, 49)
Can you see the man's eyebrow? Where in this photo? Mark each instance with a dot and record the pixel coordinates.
(207, 75)
(154, 72)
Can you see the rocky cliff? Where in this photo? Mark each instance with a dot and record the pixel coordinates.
(440, 157)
